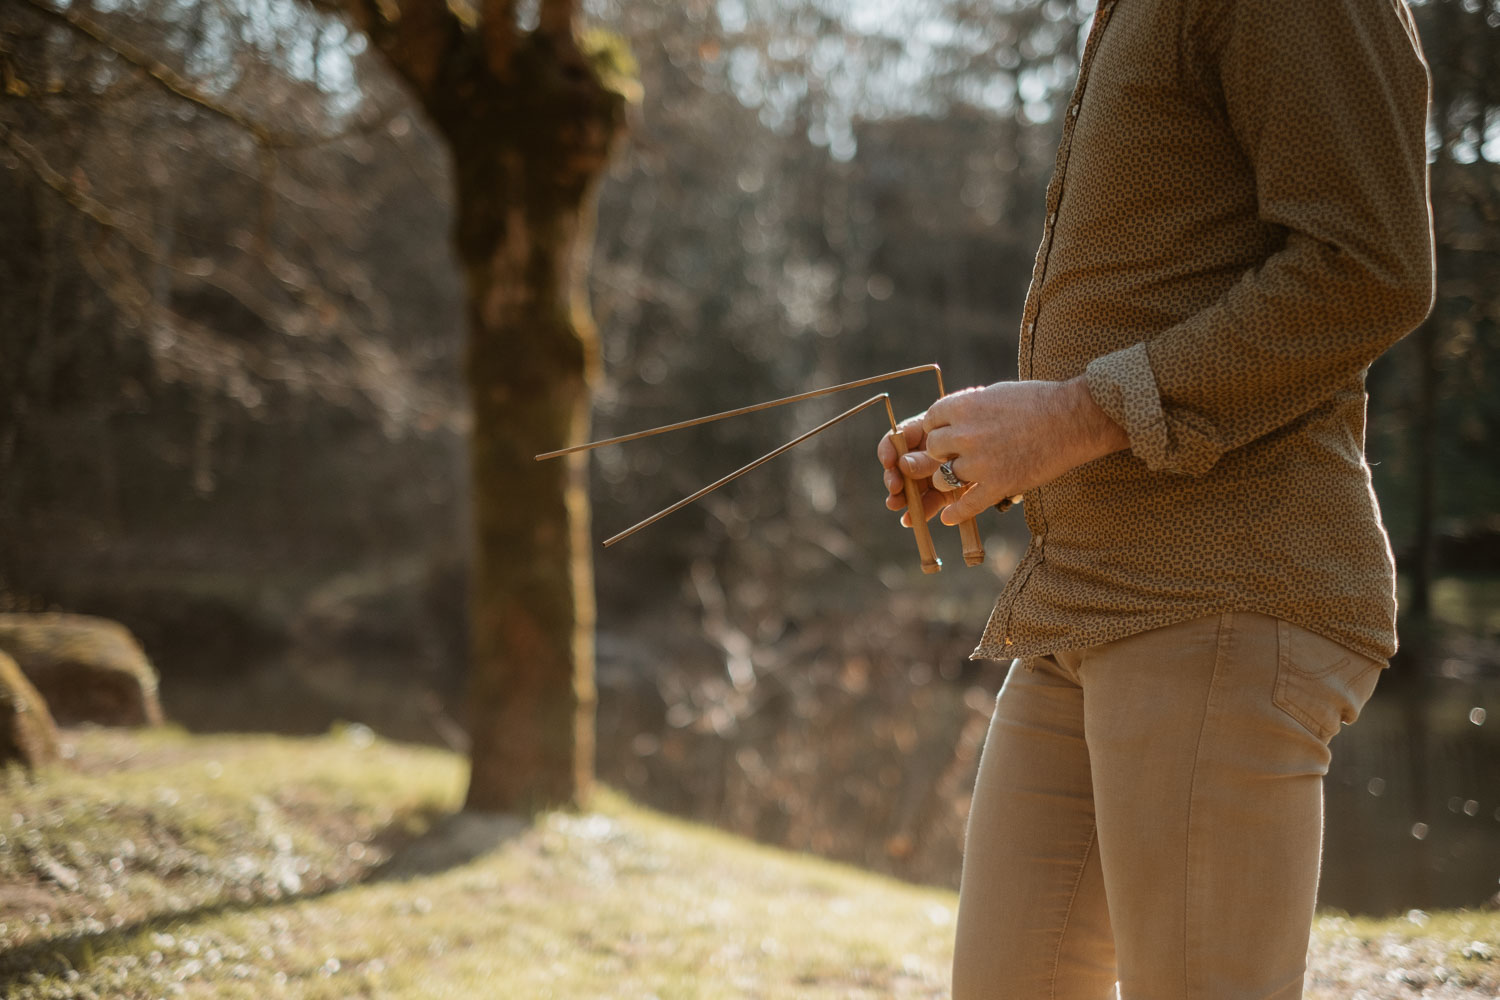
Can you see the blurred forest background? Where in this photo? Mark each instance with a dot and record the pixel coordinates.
(232, 412)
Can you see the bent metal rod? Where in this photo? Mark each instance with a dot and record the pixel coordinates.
(968, 531)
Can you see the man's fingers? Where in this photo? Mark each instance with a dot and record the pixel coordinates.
(911, 430)
(897, 485)
(937, 415)
(949, 409)
(919, 465)
(932, 502)
(941, 481)
(976, 499)
(943, 441)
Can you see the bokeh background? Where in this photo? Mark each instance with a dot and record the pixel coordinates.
(232, 413)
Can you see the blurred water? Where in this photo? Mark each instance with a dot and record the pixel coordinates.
(1412, 799)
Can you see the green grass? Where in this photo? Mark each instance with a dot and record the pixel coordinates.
(331, 868)
(1456, 952)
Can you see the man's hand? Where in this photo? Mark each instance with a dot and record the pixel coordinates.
(1002, 440)
(932, 500)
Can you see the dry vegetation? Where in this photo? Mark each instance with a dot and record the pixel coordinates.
(166, 865)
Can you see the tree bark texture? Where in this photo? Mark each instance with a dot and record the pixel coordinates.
(528, 152)
(530, 126)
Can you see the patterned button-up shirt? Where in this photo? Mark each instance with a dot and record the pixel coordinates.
(1237, 226)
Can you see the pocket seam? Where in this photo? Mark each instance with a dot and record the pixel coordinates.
(1285, 669)
(1314, 675)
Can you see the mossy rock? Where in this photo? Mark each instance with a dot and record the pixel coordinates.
(88, 669)
(28, 736)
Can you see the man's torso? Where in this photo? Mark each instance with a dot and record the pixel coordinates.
(1152, 217)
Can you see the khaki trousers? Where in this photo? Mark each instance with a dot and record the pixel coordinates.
(1150, 811)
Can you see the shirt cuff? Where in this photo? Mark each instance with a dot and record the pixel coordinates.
(1124, 386)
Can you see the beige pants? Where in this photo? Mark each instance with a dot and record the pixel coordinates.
(1150, 811)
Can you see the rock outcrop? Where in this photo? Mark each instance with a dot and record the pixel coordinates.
(28, 736)
(88, 669)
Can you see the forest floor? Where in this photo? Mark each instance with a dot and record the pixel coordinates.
(157, 864)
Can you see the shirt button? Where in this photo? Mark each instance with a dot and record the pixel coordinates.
(1051, 218)
(1031, 328)
(1073, 111)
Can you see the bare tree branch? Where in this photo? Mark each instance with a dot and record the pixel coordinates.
(372, 369)
(126, 224)
(164, 75)
(130, 228)
(179, 85)
(267, 198)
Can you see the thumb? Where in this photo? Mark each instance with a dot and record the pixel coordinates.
(975, 499)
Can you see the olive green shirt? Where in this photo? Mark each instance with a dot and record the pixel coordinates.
(1237, 226)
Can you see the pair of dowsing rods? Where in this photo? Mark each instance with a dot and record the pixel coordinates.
(968, 531)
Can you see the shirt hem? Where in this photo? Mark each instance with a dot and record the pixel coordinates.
(990, 650)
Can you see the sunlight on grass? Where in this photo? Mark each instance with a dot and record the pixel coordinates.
(394, 899)
(609, 904)
(1454, 954)
(145, 824)
(617, 902)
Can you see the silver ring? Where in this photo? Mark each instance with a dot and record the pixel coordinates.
(949, 476)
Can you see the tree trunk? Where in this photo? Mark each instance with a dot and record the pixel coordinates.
(528, 151)
(1424, 537)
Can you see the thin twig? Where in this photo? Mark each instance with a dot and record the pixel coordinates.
(125, 223)
(377, 365)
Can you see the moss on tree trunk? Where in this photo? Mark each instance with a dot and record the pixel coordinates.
(528, 152)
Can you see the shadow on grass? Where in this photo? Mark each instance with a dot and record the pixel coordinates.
(79, 951)
(452, 841)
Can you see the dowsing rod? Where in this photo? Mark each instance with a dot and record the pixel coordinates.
(812, 394)
(973, 547)
(737, 473)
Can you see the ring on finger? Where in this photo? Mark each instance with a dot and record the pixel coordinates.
(949, 476)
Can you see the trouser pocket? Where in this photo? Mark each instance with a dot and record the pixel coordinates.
(1320, 683)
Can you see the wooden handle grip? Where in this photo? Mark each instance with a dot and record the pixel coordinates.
(930, 562)
(968, 531)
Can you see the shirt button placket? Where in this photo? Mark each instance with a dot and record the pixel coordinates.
(1065, 149)
(1033, 305)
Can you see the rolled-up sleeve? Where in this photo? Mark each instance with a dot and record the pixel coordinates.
(1337, 142)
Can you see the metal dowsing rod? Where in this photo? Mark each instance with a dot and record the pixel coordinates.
(973, 546)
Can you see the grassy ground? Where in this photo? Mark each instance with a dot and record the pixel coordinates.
(163, 865)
